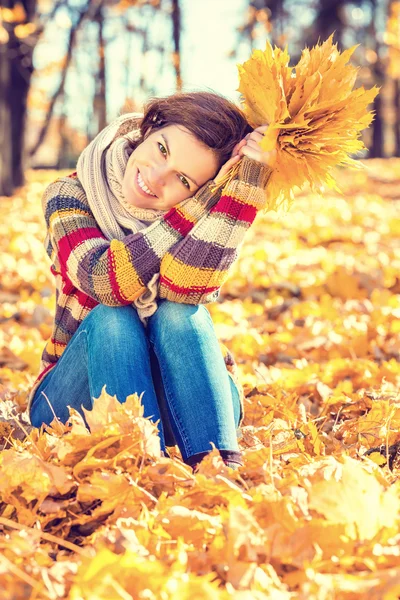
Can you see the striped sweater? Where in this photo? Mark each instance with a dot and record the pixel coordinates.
(192, 246)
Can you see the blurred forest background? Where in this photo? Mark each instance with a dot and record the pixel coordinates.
(68, 67)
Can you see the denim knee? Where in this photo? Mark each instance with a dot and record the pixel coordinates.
(112, 321)
(173, 318)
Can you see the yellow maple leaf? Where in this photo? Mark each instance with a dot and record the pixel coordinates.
(357, 499)
(25, 477)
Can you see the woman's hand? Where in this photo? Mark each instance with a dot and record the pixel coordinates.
(235, 157)
(249, 146)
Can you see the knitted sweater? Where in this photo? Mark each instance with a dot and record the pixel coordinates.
(192, 246)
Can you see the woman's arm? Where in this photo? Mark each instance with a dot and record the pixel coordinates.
(112, 272)
(195, 268)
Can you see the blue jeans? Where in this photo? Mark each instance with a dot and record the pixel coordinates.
(176, 360)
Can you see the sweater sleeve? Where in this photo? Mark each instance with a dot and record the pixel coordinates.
(194, 269)
(112, 272)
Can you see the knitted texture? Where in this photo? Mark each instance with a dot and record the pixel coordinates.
(192, 247)
(194, 270)
(101, 168)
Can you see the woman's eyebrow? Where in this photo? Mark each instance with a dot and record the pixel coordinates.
(184, 174)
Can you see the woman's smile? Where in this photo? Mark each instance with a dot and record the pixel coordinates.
(141, 184)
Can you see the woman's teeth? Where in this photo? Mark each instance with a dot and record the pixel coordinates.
(143, 186)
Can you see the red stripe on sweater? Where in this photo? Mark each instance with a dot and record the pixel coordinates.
(237, 210)
(45, 370)
(84, 300)
(67, 243)
(178, 222)
(187, 290)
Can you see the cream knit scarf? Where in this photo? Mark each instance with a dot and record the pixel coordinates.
(101, 167)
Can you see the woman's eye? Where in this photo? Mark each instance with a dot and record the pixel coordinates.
(162, 148)
(185, 182)
(163, 151)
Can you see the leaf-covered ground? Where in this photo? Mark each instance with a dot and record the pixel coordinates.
(312, 314)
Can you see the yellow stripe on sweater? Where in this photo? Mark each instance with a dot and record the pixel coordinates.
(129, 283)
(55, 349)
(63, 213)
(183, 275)
(185, 212)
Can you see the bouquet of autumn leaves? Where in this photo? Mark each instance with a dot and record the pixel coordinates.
(313, 114)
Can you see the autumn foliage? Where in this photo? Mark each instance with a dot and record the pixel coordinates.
(311, 312)
(315, 116)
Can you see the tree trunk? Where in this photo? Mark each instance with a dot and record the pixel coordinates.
(379, 74)
(397, 119)
(376, 150)
(278, 14)
(62, 161)
(100, 101)
(328, 20)
(6, 170)
(176, 57)
(16, 69)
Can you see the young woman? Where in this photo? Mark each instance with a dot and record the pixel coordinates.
(140, 238)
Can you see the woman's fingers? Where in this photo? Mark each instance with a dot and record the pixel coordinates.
(256, 135)
(250, 152)
(226, 167)
(237, 147)
(231, 162)
(254, 143)
(262, 128)
(267, 158)
(248, 146)
(252, 139)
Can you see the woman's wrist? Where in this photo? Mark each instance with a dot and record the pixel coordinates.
(182, 217)
(253, 172)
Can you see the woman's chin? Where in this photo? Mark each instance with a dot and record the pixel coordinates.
(134, 200)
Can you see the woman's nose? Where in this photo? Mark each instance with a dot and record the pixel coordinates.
(158, 175)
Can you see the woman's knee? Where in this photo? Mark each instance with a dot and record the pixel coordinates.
(173, 318)
(112, 321)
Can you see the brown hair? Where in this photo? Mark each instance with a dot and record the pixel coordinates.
(214, 120)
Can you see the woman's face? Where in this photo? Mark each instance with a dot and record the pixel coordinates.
(169, 166)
